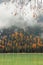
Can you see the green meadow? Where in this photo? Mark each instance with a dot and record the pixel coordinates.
(21, 59)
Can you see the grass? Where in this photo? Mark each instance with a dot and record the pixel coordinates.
(21, 59)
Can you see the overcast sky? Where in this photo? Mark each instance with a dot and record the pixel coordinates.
(3, 0)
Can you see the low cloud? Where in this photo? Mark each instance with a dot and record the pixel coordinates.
(12, 14)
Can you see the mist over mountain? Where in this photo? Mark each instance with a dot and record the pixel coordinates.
(23, 14)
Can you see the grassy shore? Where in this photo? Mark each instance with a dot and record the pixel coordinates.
(21, 59)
